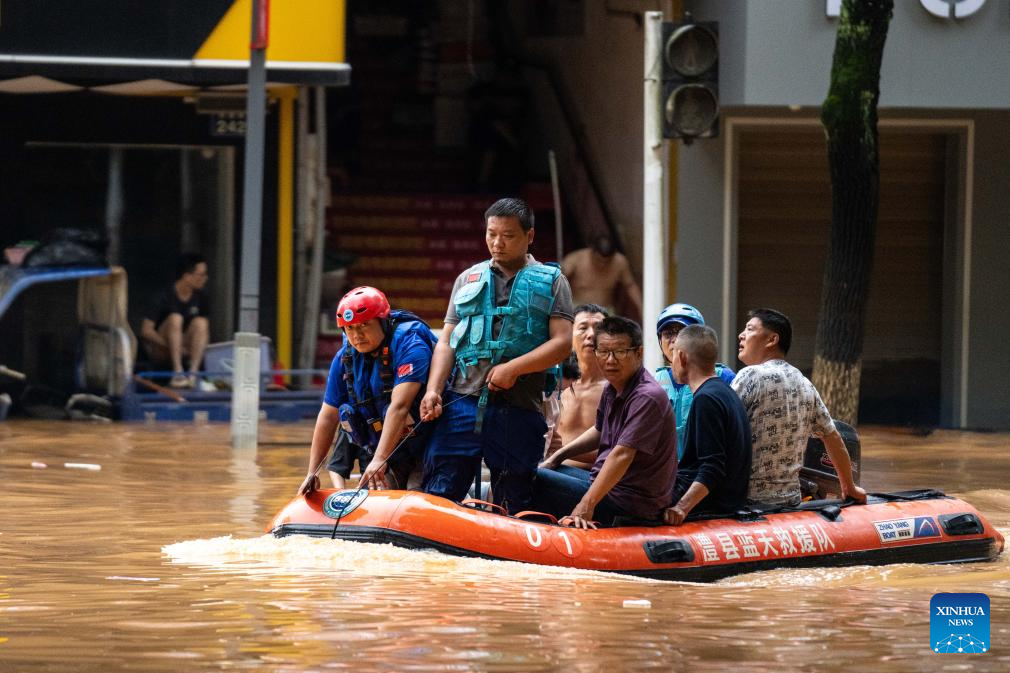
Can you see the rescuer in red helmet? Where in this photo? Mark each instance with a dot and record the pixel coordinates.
(372, 394)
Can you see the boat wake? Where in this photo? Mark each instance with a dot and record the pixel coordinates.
(300, 554)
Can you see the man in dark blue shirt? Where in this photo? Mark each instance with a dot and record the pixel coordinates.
(373, 393)
(715, 470)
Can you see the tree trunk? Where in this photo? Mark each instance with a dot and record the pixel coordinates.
(849, 116)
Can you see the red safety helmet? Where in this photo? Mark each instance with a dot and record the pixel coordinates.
(361, 305)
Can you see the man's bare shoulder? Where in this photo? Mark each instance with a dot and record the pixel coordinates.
(573, 259)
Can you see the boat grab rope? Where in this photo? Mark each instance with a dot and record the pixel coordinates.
(361, 484)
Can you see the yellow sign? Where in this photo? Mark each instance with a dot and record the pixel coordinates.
(300, 30)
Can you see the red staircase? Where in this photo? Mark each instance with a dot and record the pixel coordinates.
(412, 247)
(401, 210)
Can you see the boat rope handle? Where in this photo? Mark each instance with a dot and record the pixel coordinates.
(474, 503)
(532, 514)
(907, 496)
(361, 485)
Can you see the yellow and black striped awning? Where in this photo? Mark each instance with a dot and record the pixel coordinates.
(72, 44)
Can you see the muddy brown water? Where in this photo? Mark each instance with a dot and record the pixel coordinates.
(158, 562)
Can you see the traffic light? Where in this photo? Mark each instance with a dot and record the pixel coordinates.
(690, 102)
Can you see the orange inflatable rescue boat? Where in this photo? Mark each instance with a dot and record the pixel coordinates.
(907, 527)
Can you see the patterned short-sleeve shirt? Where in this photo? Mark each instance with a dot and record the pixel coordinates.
(784, 410)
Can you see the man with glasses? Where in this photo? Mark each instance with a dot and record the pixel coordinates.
(671, 320)
(177, 325)
(632, 479)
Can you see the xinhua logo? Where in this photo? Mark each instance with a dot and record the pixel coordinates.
(959, 623)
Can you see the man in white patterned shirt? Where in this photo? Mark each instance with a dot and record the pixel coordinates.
(784, 410)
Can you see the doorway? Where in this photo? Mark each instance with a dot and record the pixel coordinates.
(783, 221)
(153, 202)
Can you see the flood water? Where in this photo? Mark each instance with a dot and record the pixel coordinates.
(158, 562)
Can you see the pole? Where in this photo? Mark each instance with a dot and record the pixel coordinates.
(114, 206)
(559, 238)
(246, 384)
(285, 228)
(302, 220)
(317, 216)
(654, 241)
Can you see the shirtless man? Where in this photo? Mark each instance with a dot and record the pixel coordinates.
(580, 401)
(598, 273)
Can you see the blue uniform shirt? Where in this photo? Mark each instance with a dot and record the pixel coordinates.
(681, 398)
(410, 349)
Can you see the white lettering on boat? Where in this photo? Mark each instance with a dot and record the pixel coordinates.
(750, 549)
(729, 549)
(542, 538)
(764, 543)
(805, 540)
(534, 537)
(568, 543)
(707, 548)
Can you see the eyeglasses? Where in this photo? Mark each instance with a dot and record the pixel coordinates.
(618, 354)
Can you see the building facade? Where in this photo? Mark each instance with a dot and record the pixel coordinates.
(750, 209)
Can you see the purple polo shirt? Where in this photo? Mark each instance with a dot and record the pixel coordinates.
(641, 418)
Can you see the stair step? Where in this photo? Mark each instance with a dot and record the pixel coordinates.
(426, 307)
(362, 243)
(416, 286)
(411, 203)
(432, 185)
(390, 263)
(435, 226)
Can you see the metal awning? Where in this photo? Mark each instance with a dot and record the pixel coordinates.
(33, 73)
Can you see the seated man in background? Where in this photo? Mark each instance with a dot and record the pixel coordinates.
(784, 410)
(634, 432)
(580, 401)
(177, 326)
(715, 469)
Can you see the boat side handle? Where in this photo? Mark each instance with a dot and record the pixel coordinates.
(961, 524)
(529, 515)
(474, 503)
(669, 551)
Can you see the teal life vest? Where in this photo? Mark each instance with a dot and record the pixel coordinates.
(525, 318)
(680, 398)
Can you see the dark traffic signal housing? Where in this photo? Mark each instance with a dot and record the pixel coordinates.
(690, 102)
